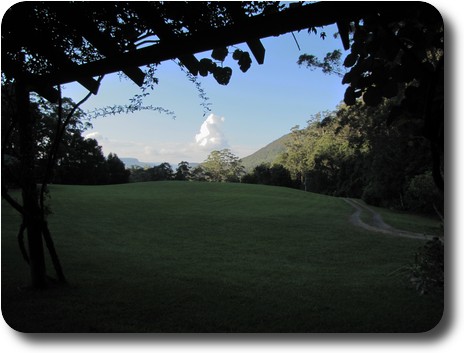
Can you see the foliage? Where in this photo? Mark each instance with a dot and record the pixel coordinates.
(316, 153)
(223, 166)
(353, 152)
(330, 64)
(83, 162)
(183, 171)
(421, 194)
(397, 57)
(427, 272)
(276, 175)
(268, 154)
(200, 174)
(161, 172)
(78, 160)
(117, 172)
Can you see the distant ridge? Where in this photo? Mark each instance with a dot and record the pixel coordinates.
(134, 162)
(267, 154)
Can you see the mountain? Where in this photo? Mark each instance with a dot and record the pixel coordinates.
(134, 162)
(267, 154)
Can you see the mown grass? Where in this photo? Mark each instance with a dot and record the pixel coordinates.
(205, 257)
(416, 223)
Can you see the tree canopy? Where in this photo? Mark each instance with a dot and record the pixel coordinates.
(397, 56)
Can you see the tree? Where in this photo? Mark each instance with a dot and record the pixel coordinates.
(199, 174)
(223, 166)
(117, 172)
(295, 156)
(183, 171)
(354, 152)
(83, 162)
(34, 131)
(161, 172)
(276, 175)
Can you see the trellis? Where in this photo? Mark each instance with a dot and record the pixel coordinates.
(242, 29)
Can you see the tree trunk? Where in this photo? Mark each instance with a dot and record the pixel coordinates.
(32, 214)
(52, 252)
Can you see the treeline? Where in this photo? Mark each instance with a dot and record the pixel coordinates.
(355, 152)
(220, 166)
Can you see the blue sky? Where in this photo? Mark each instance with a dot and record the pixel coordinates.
(254, 109)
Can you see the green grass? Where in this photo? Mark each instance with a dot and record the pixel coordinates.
(416, 223)
(206, 257)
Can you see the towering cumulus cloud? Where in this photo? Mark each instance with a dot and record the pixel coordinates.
(210, 135)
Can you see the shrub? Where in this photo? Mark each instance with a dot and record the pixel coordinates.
(372, 195)
(427, 272)
(421, 194)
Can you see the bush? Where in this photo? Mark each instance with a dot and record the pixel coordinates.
(421, 194)
(427, 272)
(372, 195)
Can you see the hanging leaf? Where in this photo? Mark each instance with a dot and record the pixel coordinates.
(237, 54)
(350, 60)
(244, 61)
(220, 53)
(205, 66)
(350, 97)
(222, 75)
(346, 78)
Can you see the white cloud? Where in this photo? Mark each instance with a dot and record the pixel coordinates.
(94, 135)
(211, 136)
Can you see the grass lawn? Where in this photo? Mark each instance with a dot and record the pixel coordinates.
(210, 257)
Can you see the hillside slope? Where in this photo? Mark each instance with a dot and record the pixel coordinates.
(267, 154)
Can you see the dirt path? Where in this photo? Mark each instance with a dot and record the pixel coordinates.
(378, 225)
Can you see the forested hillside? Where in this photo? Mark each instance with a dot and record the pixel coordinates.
(354, 151)
(267, 154)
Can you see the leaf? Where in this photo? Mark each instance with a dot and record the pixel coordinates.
(244, 62)
(346, 78)
(237, 54)
(350, 97)
(204, 66)
(350, 60)
(219, 53)
(222, 75)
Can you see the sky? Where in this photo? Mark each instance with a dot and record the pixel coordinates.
(254, 109)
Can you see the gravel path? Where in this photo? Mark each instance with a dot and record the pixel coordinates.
(378, 225)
